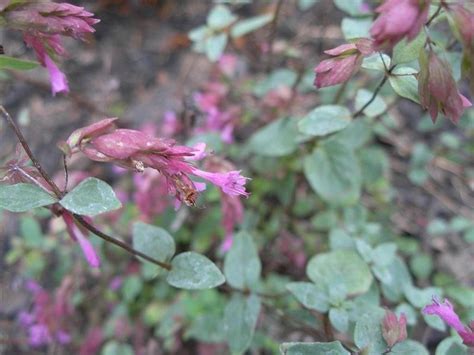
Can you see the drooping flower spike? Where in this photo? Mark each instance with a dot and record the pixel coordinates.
(137, 151)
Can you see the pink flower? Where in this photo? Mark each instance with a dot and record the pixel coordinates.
(92, 342)
(42, 45)
(231, 182)
(446, 312)
(394, 330)
(46, 321)
(42, 23)
(464, 21)
(137, 151)
(51, 18)
(346, 60)
(438, 90)
(77, 235)
(398, 19)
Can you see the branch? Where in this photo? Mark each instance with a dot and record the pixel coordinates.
(374, 95)
(59, 194)
(79, 219)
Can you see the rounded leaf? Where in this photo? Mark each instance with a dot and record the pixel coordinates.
(153, 241)
(332, 348)
(324, 120)
(194, 271)
(345, 266)
(91, 197)
(23, 197)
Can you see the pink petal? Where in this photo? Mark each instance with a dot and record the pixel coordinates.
(446, 312)
(56, 77)
(86, 246)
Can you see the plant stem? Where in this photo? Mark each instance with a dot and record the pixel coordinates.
(438, 10)
(59, 194)
(374, 95)
(118, 243)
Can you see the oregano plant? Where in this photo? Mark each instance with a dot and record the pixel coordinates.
(251, 178)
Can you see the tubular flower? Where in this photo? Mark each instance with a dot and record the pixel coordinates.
(346, 60)
(438, 90)
(137, 151)
(446, 312)
(398, 19)
(42, 23)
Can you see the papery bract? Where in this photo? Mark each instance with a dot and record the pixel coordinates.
(394, 330)
(445, 311)
(346, 60)
(398, 19)
(438, 90)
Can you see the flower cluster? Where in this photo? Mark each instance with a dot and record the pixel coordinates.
(45, 323)
(42, 24)
(135, 150)
(445, 311)
(398, 19)
(394, 330)
(438, 90)
(346, 60)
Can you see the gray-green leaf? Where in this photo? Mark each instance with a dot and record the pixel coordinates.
(194, 271)
(404, 83)
(23, 197)
(243, 27)
(310, 295)
(333, 172)
(324, 120)
(153, 241)
(242, 265)
(276, 139)
(332, 348)
(345, 266)
(15, 63)
(240, 319)
(91, 197)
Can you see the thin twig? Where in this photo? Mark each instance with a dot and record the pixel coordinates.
(118, 243)
(59, 194)
(374, 95)
(438, 10)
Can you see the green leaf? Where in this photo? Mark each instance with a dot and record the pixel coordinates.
(376, 62)
(324, 120)
(91, 197)
(242, 265)
(194, 271)
(113, 347)
(131, 288)
(352, 7)
(23, 197)
(368, 334)
(31, 232)
(220, 17)
(384, 254)
(409, 347)
(345, 266)
(332, 348)
(279, 77)
(407, 51)
(404, 83)
(376, 107)
(356, 27)
(399, 276)
(243, 27)
(421, 297)
(310, 295)
(355, 135)
(207, 328)
(240, 320)
(333, 172)
(153, 241)
(276, 139)
(339, 319)
(421, 265)
(306, 4)
(15, 63)
(215, 46)
(451, 346)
